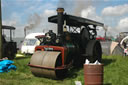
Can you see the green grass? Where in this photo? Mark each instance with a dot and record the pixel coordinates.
(116, 70)
(115, 73)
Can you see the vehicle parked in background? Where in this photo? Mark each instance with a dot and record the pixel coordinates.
(124, 42)
(30, 42)
(9, 46)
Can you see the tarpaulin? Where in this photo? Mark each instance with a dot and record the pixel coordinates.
(6, 66)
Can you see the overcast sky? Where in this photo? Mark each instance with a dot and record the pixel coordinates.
(33, 14)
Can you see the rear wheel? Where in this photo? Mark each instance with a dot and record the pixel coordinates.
(94, 51)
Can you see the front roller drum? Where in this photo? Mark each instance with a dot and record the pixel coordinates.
(44, 63)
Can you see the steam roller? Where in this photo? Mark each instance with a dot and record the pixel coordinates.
(74, 42)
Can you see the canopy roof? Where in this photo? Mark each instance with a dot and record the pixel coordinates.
(8, 27)
(75, 21)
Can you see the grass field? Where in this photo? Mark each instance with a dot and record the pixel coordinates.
(115, 73)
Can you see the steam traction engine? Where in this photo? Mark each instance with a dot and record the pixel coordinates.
(74, 42)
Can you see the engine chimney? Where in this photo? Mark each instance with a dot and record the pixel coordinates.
(60, 20)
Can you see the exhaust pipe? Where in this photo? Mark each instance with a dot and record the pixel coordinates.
(60, 20)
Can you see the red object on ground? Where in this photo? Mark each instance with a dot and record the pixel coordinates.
(93, 74)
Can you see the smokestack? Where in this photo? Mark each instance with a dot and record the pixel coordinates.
(25, 32)
(60, 20)
(105, 29)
